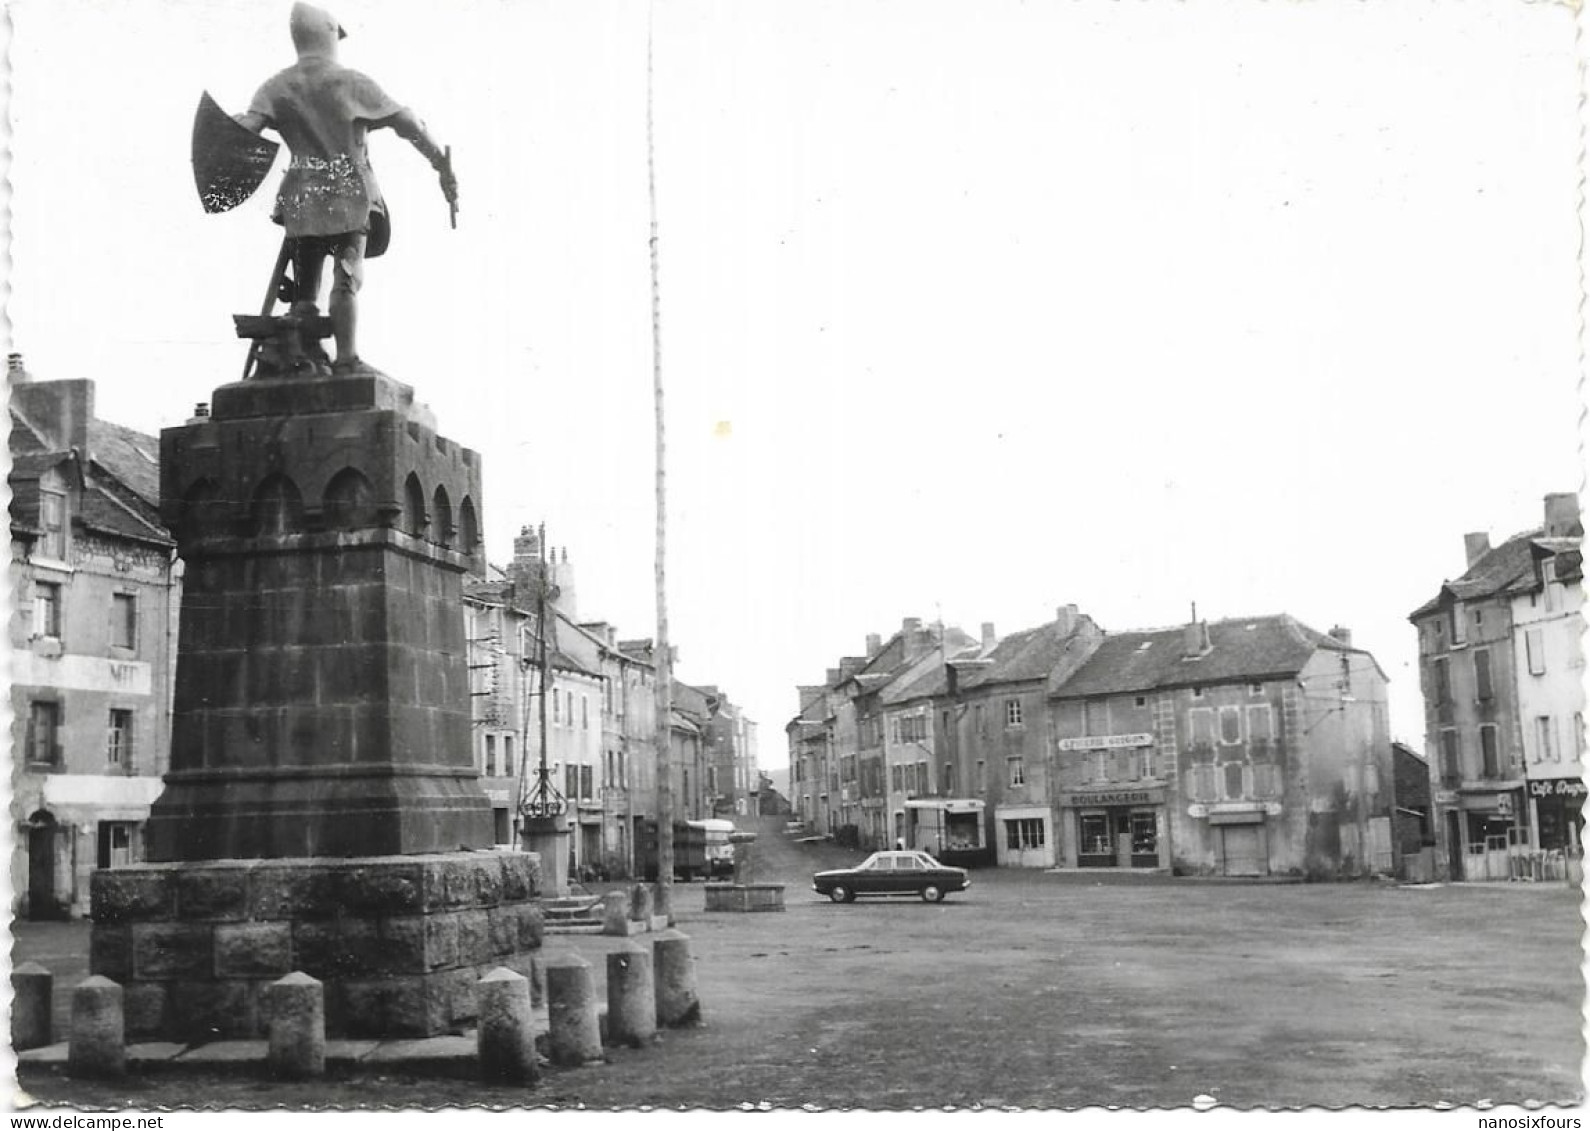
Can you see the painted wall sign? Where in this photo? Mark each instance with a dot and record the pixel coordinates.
(1106, 741)
(1559, 787)
(1115, 797)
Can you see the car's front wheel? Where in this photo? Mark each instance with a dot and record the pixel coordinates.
(933, 894)
(841, 894)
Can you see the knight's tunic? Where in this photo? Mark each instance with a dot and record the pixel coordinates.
(324, 112)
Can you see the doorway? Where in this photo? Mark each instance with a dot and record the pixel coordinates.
(1242, 850)
(43, 834)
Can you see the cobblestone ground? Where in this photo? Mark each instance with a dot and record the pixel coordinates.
(1047, 991)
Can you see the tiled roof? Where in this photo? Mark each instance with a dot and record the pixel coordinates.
(929, 681)
(1027, 655)
(130, 456)
(1500, 569)
(101, 508)
(1248, 648)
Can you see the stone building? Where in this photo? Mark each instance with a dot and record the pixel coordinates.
(1412, 825)
(998, 712)
(1501, 666)
(1250, 746)
(95, 590)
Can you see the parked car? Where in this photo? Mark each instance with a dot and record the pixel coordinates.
(892, 873)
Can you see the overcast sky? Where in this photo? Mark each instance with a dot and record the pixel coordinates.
(969, 309)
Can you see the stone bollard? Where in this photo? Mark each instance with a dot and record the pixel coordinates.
(640, 904)
(615, 913)
(538, 982)
(99, 1037)
(631, 997)
(675, 973)
(32, 988)
(296, 1008)
(574, 1031)
(506, 1039)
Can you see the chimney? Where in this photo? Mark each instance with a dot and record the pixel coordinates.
(1195, 640)
(1476, 546)
(850, 665)
(989, 639)
(1065, 617)
(16, 372)
(525, 570)
(1345, 635)
(1562, 516)
(61, 410)
(910, 624)
(832, 677)
(874, 644)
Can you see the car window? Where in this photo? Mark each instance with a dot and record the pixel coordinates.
(926, 861)
(908, 864)
(873, 864)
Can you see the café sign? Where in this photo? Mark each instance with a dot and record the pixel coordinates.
(1558, 787)
(1107, 742)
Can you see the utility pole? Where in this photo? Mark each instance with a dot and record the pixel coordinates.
(664, 687)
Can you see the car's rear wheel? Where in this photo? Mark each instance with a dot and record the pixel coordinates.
(841, 894)
(933, 894)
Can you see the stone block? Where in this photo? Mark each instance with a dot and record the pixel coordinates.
(399, 946)
(144, 1007)
(574, 1032)
(212, 893)
(296, 1026)
(110, 951)
(503, 924)
(516, 881)
(641, 903)
(674, 976)
(383, 889)
(215, 1010)
(98, 1043)
(450, 997)
(505, 1035)
(172, 950)
(123, 895)
(530, 923)
(386, 1007)
(253, 950)
(32, 991)
(474, 936)
(631, 996)
(441, 941)
(615, 913)
(293, 892)
(318, 949)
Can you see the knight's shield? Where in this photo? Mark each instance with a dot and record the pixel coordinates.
(229, 161)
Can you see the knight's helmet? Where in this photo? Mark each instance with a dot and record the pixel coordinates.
(315, 31)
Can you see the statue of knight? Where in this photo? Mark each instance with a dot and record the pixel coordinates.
(329, 203)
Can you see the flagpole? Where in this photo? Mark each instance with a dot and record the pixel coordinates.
(664, 658)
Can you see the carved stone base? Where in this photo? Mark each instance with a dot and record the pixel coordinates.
(398, 941)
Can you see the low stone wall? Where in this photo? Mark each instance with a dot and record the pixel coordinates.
(399, 941)
(745, 897)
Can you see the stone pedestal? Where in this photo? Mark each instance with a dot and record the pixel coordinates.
(548, 838)
(322, 812)
(399, 941)
(322, 686)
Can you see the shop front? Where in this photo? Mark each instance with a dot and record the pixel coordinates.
(1558, 812)
(1115, 828)
(1485, 835)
